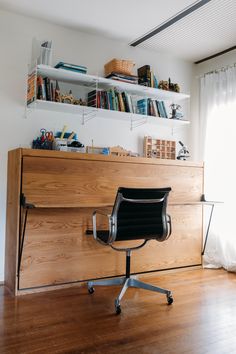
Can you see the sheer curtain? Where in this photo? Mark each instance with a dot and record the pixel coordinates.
(218, 146)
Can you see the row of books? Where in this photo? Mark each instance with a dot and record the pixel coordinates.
(151, 107)
(124, 102)
(111, 99)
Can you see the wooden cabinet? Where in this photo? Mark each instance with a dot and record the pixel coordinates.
(64, 189)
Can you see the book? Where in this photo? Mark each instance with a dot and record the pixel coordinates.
(70, 66)
(155, 81)
(41, 93)
(144, 75)
(47, 83)
(164, 109)
(142, 106)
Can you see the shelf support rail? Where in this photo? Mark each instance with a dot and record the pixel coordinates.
(91, 114)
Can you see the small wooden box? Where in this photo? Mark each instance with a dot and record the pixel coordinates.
(160, 149)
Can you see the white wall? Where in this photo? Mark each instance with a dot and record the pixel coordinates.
(199, 70)
(16, 33)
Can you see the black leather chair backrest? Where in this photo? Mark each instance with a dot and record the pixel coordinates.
(141, 216)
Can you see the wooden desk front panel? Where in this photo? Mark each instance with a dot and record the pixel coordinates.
(49, 182)
(57, 250)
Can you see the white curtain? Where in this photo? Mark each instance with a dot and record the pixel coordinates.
(218, 147)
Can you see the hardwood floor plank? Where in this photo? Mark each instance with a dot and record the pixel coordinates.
(202, 319)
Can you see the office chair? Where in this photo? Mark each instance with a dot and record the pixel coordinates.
(138, 214)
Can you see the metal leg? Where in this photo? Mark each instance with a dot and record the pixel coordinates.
(106, 282)
(208, 228)
(139, 284)
(123, 290)
(22, 241)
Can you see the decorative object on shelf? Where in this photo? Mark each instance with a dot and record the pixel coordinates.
(70, 99)
(42, 52)
(160, 149)
(173, 87)
(119, 151)
(183, 153)
(163, 85)
(174, 111)
(71, 67)
(169, 86)
(44, 141)
(119, 66)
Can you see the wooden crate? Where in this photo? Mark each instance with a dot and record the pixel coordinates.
(160, 149)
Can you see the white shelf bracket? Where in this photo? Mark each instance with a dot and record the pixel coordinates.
(86, 116)
(134, 123)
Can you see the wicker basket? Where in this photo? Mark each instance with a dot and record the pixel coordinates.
(119, 66)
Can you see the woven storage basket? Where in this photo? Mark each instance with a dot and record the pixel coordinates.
(119, 66)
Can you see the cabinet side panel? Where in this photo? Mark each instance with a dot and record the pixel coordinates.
(12, 218)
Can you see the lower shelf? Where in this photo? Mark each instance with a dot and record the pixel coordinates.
(89, 112)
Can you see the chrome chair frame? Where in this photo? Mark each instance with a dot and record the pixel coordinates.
(127, 281)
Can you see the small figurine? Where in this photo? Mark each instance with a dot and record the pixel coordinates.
(173, 87)
(174, 111)
(163, 85)
(183, 152)
(57, 93)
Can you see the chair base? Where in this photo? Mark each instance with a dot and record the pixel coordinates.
(128, 283)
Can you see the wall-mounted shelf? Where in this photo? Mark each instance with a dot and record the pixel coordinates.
(85, 112)
(103, 83)
(99, 83)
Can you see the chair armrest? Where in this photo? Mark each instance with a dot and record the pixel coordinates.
(169, 231)
(104, 212)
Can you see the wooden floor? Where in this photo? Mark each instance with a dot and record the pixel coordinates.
(202, 319)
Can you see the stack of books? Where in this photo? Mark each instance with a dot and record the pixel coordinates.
(131, 79)
(71, 67)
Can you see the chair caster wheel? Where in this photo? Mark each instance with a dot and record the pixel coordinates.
(91, 290)
(170, 299)
(118, 309)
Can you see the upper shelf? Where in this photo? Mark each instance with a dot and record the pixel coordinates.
(103, 83)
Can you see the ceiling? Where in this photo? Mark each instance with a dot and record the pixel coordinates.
(206, 31)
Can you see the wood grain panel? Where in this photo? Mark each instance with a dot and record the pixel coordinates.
(12, 219)
(67, 187)
(58, 251)
(80, 183)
